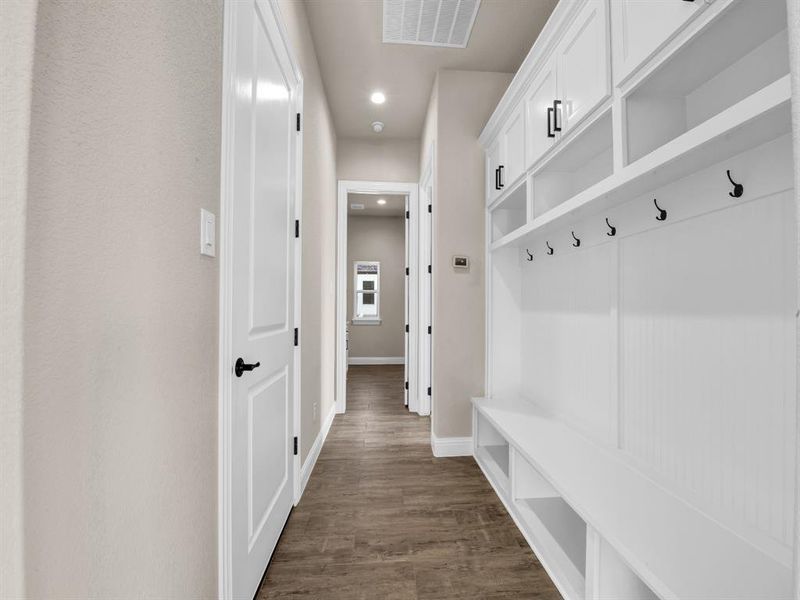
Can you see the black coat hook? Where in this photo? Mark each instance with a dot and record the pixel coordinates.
(549, 249)
(738, 188)
(577, 242)
(530, 256)
(613, 229)
(662, 214)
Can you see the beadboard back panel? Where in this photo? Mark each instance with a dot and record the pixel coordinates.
(707, 390)
(504, 310)
(567, 332)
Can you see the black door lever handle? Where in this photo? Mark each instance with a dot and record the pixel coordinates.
(242, 366)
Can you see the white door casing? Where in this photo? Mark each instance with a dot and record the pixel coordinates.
(411, 191)
(425, 370)
(406, 300)
(258, 292)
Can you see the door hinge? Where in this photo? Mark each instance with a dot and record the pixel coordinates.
(295, 445)
(297, 228)
(408, 214)
(296, 336)
(406, 385)
(429, 391)
(430, 210)
(429, 268)
(406, 271)
(429, 329)
(406, 327)
(298, 121)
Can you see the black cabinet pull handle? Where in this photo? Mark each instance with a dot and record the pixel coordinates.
(556, 104)
(500, 173)
(497, 179)
(550, 134)
(242, 366)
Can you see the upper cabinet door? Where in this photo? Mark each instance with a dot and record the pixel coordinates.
(493, 158)
(513, 152)
(583, 64)
(640, 27)
(539, 114)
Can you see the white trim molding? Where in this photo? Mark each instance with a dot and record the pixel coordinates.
(313, 454)
(451, 446)
(376, 360)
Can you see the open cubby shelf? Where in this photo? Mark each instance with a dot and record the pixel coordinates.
(584, 160)
(510, 212)
(744, 50)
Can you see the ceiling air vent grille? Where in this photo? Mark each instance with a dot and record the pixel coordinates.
(445, 23)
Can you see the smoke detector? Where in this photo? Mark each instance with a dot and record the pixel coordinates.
(377, 126)
(444, 23)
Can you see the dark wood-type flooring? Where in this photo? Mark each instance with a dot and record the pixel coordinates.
(382, 519)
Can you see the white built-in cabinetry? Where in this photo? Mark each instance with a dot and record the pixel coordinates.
(640, 414)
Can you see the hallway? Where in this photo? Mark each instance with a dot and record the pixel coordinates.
(382, 518)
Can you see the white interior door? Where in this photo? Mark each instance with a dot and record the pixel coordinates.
(262, 294)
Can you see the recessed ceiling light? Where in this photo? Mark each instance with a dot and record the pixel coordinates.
(377, 98)
(381, 201)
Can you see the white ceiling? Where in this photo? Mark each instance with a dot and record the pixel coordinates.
(395, 205)
(355, 62)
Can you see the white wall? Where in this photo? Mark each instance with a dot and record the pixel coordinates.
(793, 17)
(318, 235)
(120, 424)
(379, 160)
(461, 103)
(17, 22)
(381, 239)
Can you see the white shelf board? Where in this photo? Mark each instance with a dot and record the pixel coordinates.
(755, 120)
(677, 550)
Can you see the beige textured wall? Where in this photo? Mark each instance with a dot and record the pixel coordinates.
(318, 235)
(17, 22)
(379, 160)
(381, 239)
(429, 131)
(462, 103)
(120, 424)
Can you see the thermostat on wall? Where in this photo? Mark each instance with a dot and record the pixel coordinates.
(461, 262)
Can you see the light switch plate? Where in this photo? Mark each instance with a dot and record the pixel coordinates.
(208, 233)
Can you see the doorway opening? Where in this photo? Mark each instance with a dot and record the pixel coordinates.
(378, 320)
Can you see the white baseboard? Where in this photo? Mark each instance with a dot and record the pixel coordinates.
(451, 446)
(313, 454)
(376, 360)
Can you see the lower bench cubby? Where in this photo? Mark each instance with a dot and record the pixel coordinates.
(556, 533)
(492, 453)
